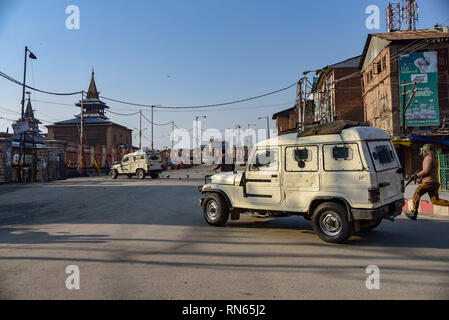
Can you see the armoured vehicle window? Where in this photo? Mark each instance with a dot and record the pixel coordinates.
(342, 157)
(340, 152)
(125, 159)
(301, 158)
(383, 154)
(265, 160)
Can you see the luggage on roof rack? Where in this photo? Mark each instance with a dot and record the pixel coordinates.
(334, 127)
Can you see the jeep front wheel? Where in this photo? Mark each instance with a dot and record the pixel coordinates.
(140, 174)
(114, 174)
(215, 210)
(330, 222)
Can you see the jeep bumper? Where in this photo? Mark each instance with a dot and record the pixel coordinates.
(390, 210)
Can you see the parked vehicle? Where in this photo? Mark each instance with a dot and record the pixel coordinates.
(346, 181)
(140, 164)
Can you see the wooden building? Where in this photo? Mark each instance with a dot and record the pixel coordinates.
(386, 58)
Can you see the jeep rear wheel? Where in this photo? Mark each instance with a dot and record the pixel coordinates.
(330, 222)
(154, 175)
(114, 174)
(215, 210)
(140, 174)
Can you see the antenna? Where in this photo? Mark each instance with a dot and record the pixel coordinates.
(393, 17)
(410, 14)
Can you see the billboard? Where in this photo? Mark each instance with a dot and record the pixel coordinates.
(421, 67)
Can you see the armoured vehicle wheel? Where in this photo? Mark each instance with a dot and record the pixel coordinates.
(154, 175)
(330, 222)
(114, 174)
(140, 174)
(215, 210)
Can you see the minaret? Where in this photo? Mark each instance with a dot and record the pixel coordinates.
(93, 106)
(29, 116)
(92, 93)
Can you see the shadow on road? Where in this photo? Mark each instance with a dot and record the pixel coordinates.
(174, 205)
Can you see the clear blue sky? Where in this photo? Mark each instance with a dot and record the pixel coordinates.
(180, 53)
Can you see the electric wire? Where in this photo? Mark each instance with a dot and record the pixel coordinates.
(200, 106)
(4, 75)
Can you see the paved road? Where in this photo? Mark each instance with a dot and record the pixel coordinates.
(147, 239)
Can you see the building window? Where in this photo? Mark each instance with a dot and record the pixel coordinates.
(377, 68)
(115, 139)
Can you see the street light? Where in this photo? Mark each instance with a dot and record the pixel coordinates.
(268, 125)
(21, 162)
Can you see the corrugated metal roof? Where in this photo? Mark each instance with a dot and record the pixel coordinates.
(286, 111)
(348, 63)
(87, 120)
(411, 35)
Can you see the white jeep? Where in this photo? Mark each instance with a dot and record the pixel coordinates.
(344, 181)
(139, 163)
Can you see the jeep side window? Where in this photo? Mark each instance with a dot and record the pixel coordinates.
(265, 160)
(125, 159)
(301, 158)
(342, 157)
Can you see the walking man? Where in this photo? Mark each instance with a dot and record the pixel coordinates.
(430, 185)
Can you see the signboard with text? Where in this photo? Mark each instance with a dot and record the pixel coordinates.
(422, 68)
(20, 127)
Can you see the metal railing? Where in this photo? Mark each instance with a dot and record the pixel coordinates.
(443, 171)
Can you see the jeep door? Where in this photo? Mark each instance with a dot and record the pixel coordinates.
(301, 176)
(386, 164)
(125, 163)
(262, 178)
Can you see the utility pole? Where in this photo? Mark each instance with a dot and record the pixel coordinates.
(140, 129)
(405, 105)
(171, 140)
(21, 147)
(298, 102)
(304, 104)
(152, 127)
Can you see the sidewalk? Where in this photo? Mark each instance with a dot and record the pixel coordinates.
(425, 206)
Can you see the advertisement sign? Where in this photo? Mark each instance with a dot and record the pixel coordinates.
(20, 127)
(421, 67)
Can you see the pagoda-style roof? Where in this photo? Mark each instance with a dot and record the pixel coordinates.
(92, 93)
(93, 114)
(92, 104)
